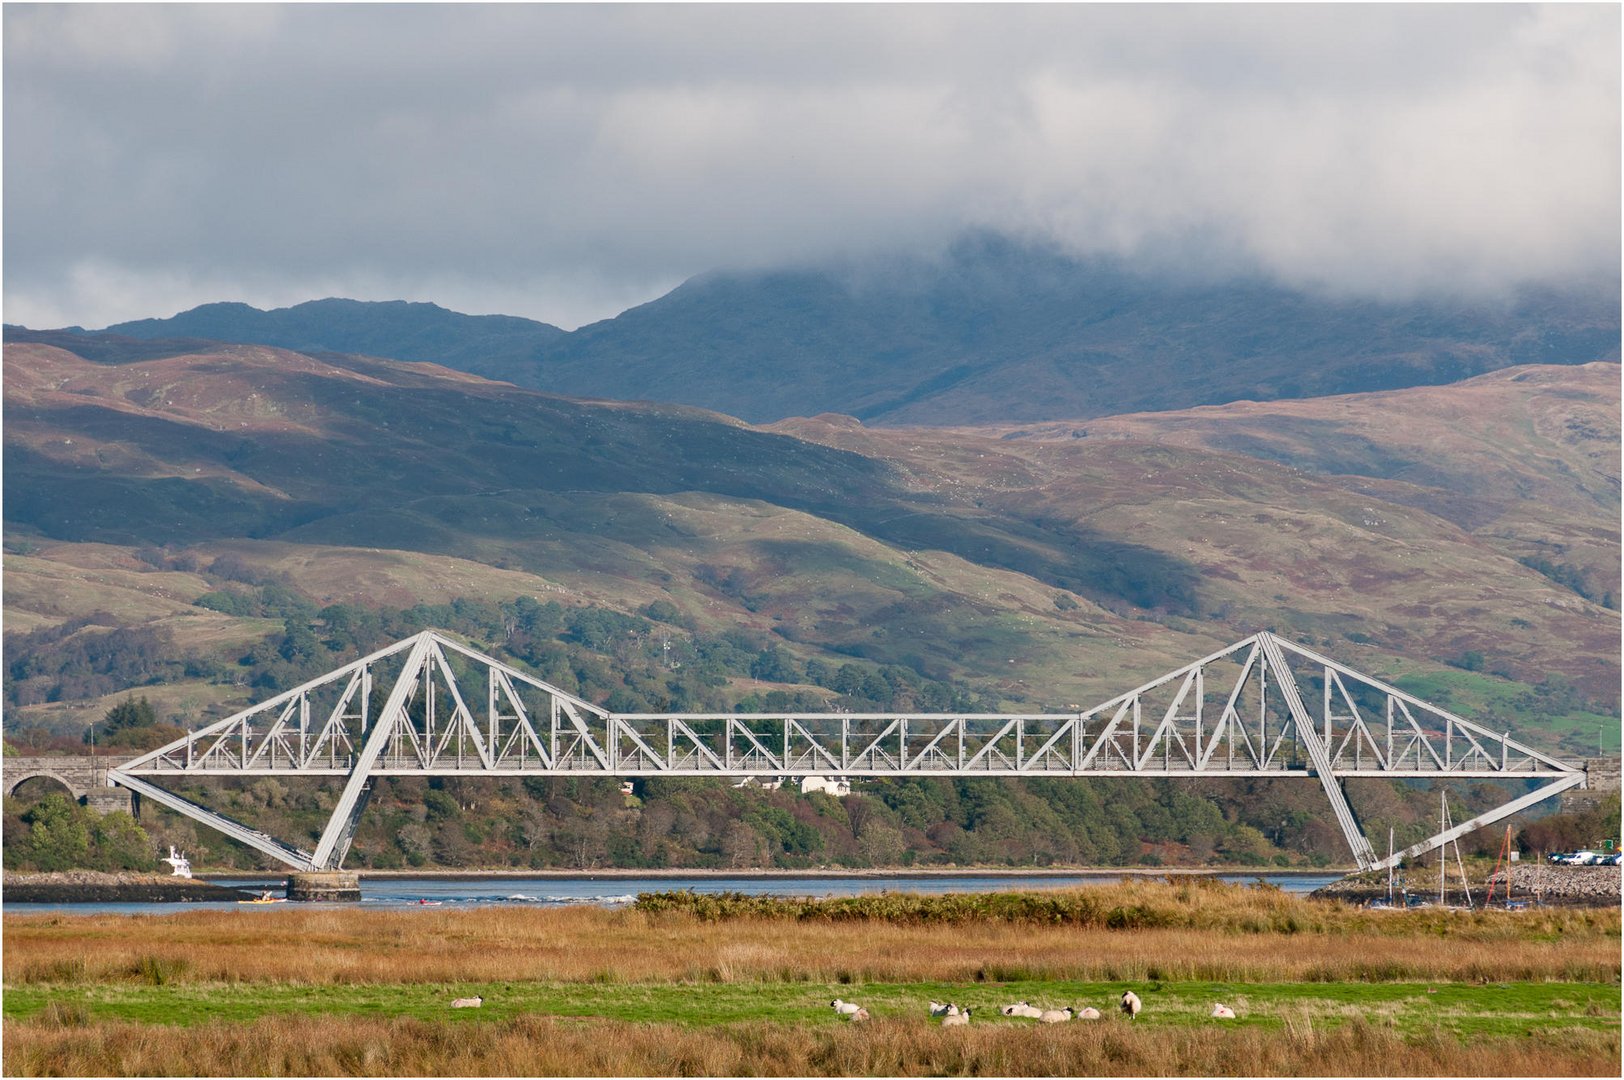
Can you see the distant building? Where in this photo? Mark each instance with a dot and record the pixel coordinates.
(772, 784)
(838, 786)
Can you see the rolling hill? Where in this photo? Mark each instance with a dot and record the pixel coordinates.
(1036, 564)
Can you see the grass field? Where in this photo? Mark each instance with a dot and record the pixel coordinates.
(596, 992)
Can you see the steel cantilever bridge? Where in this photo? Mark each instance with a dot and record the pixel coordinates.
(429, 706)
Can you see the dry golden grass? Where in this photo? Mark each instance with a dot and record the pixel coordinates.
(535, 1046)
(335, 946)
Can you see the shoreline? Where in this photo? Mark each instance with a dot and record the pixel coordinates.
(94, 887)
(890, 873)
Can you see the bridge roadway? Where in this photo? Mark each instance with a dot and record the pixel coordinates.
(1239, 712)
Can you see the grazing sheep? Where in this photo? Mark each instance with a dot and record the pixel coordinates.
(1131, 1004)
(959, 1019)
(1054, 1016)
(859, 1016)
(844, 1008)
(1221, 1011)
(1088, 1012)
(1021, 1008)
(469, 1003)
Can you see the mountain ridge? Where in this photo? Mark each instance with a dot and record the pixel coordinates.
(993, 331)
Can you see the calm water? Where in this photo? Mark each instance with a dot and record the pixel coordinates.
(608, 891)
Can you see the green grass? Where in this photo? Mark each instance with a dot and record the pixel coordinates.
(1494, 701)
(1511, 1009)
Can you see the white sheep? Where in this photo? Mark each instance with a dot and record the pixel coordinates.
(469, 1003)
(859, 1016)
(844, 1008)
(959, 1019)
(1021, 1008)
(939, 1008)
(1221, 1011)
(1131, 1004)
(1088, 1012)
(1054, 1016)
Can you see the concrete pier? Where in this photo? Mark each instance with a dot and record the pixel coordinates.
(327, 885)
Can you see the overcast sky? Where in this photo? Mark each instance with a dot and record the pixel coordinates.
(566, 162)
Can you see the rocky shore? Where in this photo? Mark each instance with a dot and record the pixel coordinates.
(1591, 886)
(90, 886)
(1583, 884)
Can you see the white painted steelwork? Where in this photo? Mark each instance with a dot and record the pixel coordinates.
(1240, 712)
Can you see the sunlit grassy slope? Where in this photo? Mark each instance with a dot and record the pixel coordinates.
(1042, 569)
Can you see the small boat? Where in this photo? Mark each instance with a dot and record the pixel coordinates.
(178, 862)
(265, 898)
(428, 903)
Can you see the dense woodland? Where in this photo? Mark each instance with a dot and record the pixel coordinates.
(646, 662)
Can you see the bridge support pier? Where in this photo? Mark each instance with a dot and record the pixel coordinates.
(325, 885)
(106, 800)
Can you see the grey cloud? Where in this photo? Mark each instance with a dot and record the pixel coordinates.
(563, 162)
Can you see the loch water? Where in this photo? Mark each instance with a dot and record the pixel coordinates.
(442, 892)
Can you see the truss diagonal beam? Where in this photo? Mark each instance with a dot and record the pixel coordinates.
(299, 860)
(1487, 818)
(392, 714)
(1286, 682)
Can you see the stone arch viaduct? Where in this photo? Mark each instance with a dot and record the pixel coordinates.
(84, 776)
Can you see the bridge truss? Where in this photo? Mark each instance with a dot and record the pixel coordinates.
(430, 706)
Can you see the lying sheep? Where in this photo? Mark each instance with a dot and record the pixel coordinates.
(859, 1016)
(1021, 1008)
(939, 1008)
(1221, 1011)
(844, 1008)
(1088, 1012)
(958, 1019)
(1054, 1016)
(1130, 1003)
(469, 1003)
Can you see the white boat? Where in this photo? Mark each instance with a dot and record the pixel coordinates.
(177, 860)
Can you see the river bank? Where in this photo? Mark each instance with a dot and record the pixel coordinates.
(95, 887)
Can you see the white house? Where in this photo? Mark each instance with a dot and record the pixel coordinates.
(838, 786)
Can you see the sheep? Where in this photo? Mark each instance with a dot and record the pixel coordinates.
(469, 1003)
(1054, 1016)
(938, 1008)
(1221, 1011)
(959, 1019)
(844, 1008)
(859, 1016)
(1021, 1008)
(1088, 1012)
(1130, 1003)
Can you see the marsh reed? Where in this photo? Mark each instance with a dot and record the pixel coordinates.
(532, 1046)
(1218, 935)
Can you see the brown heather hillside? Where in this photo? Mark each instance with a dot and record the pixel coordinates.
(1525, 459)
(1029, 565)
